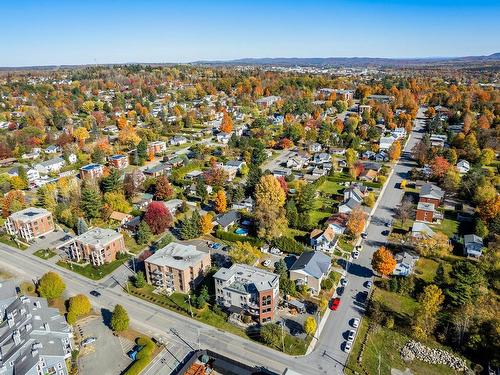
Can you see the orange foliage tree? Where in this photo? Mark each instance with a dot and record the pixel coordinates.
(395, 151)
(227, 123)
(206, 223)
(220, 201)
(356, 222)
(383, 262)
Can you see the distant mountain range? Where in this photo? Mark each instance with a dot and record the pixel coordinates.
(352, 61)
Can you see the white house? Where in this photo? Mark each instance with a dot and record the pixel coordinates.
(386, 142)
(324, 240)
(223, 138)
(178, 140)
(51, 165)
(463, 166)
(32, 173)
(315, 147)
(473, 245)
(405, 262)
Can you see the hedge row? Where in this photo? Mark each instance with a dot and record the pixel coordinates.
(288, 245)
(233, 237)
(143, 357)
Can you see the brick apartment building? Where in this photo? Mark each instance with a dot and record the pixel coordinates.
(30, 223)
(96, 246)
(91, 171)
(157, 147)
(249, 289)
(118, 161)
(430, 193)
(425, 212)
(177, 267)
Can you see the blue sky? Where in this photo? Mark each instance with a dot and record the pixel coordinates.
(79, 32)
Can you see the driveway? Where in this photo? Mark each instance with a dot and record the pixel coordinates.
(50, 241)
(108, 354)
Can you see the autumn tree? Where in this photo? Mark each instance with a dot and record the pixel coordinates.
(350, 157)
(403, 211)
(383, 262)
(220, 202)
(425, 319)
(116, 201)
(119, 319)
(207, 223)
(227, 123)
(81, 134)
(244, 253)
(395, 151)
(310, 326)
(437, 245)
(163, 189)
(51, 286)
(158, 217)
(269, 207)
(370, 199)
(356, 222)
(451, 180)
(439, 167)
(79, 305)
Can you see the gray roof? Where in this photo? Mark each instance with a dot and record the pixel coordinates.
(314, 263)
(431, 191)
(472, 238)
(177, 255)
(227, 218)
(98, 236)
(248, 278)
(425, 206)
(53, 161)
(30, 214)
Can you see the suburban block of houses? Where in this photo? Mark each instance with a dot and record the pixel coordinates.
(30, 223)
(243, 288)
(177, 267)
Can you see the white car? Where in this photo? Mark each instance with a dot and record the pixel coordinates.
(88, 341)
(347, 346)
(355, 254)
(350, 337)
(267, 263)
(355, 322)
(343, 282)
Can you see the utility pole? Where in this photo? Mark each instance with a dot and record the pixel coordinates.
(190, 310)
(282, 337)
(379, 363)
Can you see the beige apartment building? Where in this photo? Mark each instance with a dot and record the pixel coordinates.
(30, 223)
(177, 267)
(96, 246)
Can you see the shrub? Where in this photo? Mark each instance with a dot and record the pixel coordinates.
(233, 237)
(288, 245)
(389, 322)
(71, 318)
(327, 284)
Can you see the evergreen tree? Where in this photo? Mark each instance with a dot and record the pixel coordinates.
(306, 197)
(112, 181)
(46, 198)
(292, 214)
(98, 155)
(139, 280)
(201, 189)
(144, 233)
(23, 175)
(142, 152)
(253, 178)
(191, 227)
(91, 203)
(81, 226)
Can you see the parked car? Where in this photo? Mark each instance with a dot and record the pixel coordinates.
(350, 336)
(340, 291)
(215, 245)
(275, 251)
(88, 341)
(267, 263)
(95, 293)
(368, 284)
(133, 353)
(334, 304)
(355, 254)
(347, 346)
(364, 235)
(355, 323)
(385, 233)
(343, 282)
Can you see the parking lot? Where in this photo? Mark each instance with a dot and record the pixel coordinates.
(107, 355)
(50, 241)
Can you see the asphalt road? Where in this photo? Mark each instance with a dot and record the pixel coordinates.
(326, 358)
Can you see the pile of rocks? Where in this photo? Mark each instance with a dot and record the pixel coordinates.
(413, 349)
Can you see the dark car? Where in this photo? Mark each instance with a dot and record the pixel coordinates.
(340, 291)
(95, 293)
(334, 305)
(385, 233)
(364, 235)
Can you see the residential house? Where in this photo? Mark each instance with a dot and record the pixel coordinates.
(35, 338)
(142, 200)
(223, 138)
(349, 205)
(118, 161)
(246, 204)
(314, 148)
(399, 133)
(386, 142)
(91, 171)
(296, 162)
(430, 193)
(173, 205)
(30, 223)
(324, 240)
(157, 170)
(282, 172)
(405, 263)
(178, 140)
(463, 166)
(425, 212)
(310, 269)
(51, 165)
(368, 175)
(364, 108)
(356, 192)
(120, 217)
(177, 267)
(381, 98)
(421, 230)
(321, 158)
(248, 289)
(156, 147)
(438, 140)
(52, 149)
(96, 246)
(337, 151)
(267, 101)
(338, 222)
(473, 245)
(227, 219)
(32, 173)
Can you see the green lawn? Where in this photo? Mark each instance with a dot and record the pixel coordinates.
(6, 239)
(331, 187)
(387, 343)
(395, 302)
(449, 225)
(317, 216)
(44, 253)
(94, 273)
(345, 245)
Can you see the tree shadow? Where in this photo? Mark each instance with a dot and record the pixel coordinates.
(106, 317)
(358, 270)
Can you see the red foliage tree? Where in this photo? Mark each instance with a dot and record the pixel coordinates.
(439, 167)
(164, 190)
(158, 217)
(283, 183)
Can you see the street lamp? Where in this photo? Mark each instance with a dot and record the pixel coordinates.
(190, 310)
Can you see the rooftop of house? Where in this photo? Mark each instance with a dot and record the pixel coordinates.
(472, 238)
(30, 214)
(430, 190)
(314, 263)
(425, 206)
(177, 255)
(98, 236)
(90, 167)
(248, 275)
(117, 157)
(53, 161)
(227, 218)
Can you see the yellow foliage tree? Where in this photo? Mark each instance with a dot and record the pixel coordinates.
(356, 222)
(220, 202)
(269, 210)
(425, 318)
(383, 261)
(310, 325)
(395, 151)
(244, 252)
(81, 134)
(207, 223)
(437, 245)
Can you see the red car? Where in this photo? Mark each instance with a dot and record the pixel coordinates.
(334, 305)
